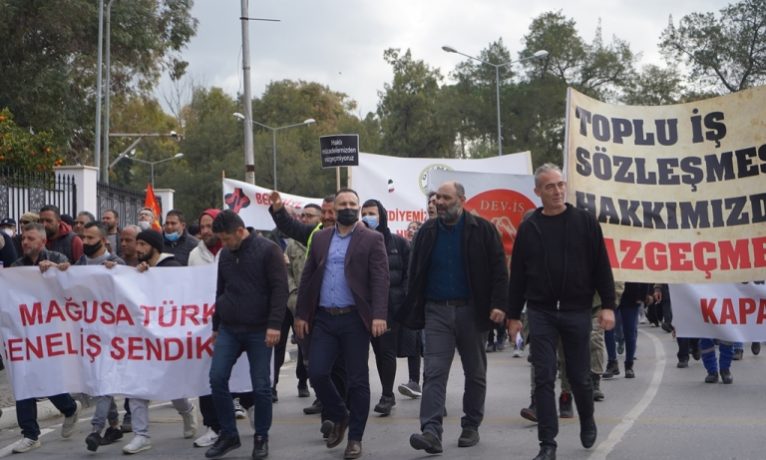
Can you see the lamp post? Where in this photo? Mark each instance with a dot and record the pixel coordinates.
(536, 55)
(130, 156)
(274, 130)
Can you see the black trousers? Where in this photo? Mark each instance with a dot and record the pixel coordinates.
(385, 360)
(574, 328)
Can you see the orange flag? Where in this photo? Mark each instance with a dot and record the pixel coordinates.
(151, 202)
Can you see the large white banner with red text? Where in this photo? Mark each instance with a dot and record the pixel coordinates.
(252, 203)
(680, 190)
(106, 331)
(732, 312)
(401, 184)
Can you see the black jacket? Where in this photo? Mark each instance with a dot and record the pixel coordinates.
(181, 247)
(586, 266)
(398, 252)
(252, 287)
(294, 228)
(485, 267)
(53, 256)
(8, 254)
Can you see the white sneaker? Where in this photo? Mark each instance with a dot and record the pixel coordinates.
(137, 444)
(251, 416)
(239, 411)
(207, 439)
(190, 423)
(67, 428)
(516, 352)
(25, 445)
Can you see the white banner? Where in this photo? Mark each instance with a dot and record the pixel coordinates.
(401, 184)
(502, 199)
(99, 331)
(732, 312)
(252, 202)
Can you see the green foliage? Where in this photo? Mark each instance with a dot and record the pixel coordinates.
(725, 51)
(22, 151)
(48, 54)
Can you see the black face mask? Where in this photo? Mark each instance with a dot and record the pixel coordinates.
(347, 216)
(90, 249)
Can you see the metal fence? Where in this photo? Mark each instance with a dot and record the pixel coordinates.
(127, 203)
(22, 192)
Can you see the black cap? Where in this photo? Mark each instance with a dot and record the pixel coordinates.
(153, 238)
(7, 222)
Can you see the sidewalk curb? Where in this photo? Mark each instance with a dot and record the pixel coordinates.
(45, 410)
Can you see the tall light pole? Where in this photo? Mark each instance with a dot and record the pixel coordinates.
(151, 164)
(99, 87)
(107, 93)
(274, 130)
(537, 55)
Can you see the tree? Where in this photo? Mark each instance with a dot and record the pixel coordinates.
(655, 86)
(410, 113)
(48, 56)
(725, 51)
(22, 151)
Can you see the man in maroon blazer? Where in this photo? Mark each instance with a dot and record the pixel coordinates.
(342, 301)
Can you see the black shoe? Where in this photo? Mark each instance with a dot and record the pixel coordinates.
(111, 435)
(629, 373)
(726, 376)
(469, 437)
(223, 446)
(126, 426)
(546, 453)
(696, 354)
(755, 347)
(565, 406)
(260, 447)
(683, 363)
(93, 441)
(595, 379)
(530, 413)
(303, 391)
(326, 428)
(274, 395)
(711, 377)
(612, 369)
(353, 450)
(385, 405)
(426, 441)
(337, 433)
(738, 354)
(588, 432)
(667, 327)
(314, 408)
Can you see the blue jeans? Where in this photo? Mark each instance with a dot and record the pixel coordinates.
(629, 329)
(228, 346)
(344, 335)
(26, 413)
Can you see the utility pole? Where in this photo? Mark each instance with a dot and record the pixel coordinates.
(248, 102)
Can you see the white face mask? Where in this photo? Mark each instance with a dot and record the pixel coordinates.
(9, 232)
(144, 225)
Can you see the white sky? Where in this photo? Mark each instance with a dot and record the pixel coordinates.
(340, 43)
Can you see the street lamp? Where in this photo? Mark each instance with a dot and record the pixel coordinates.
(274, 130)
(130, 156)
(536, 55)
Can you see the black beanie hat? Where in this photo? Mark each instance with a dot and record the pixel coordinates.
(153, 238)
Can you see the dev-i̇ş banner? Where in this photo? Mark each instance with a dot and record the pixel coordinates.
(679, 190)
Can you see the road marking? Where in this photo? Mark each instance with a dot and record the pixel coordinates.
(615, 436)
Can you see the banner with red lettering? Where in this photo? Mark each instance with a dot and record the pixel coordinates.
(106, 331)
(731, 312)
(252, 203)
(680, 190)
(502, 199)
(401, 184)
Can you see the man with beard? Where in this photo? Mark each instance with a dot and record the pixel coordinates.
(60, 237)
(95, 253)
(343, 302)
(83, 217)
(149, 250)
(110, 219)
(35, 254)
(457, 290)
(177, 240)
(128, 244)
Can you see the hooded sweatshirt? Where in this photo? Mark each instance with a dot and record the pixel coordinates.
(66, 242)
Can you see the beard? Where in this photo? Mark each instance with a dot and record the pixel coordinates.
(450, 214)
(146, 257)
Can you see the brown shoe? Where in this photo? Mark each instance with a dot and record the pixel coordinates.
(353, 450)
(337, 434)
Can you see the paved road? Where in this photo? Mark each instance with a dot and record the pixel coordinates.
(664, 413)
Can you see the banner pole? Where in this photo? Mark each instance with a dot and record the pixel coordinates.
(349, 182)
(337, 178)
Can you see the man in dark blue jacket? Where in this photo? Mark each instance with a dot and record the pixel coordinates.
(251, 300)
(559, 260)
